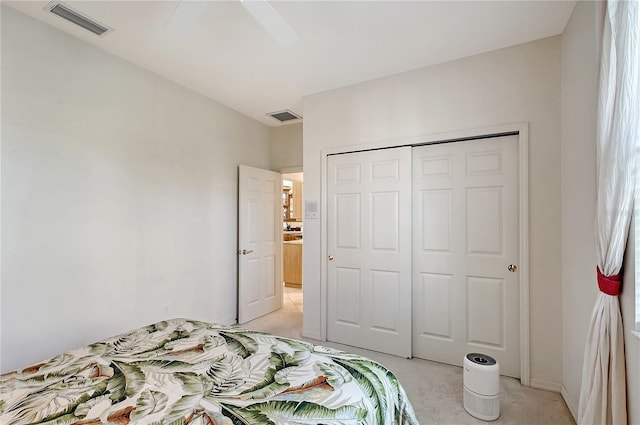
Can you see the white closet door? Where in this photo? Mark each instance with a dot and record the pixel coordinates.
(369, 247)
(465, 227)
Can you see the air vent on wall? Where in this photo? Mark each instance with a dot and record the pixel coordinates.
(285, 115)
(73, 16)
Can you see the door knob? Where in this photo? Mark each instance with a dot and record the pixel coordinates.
(512, 268)
(245, 251)
(331, 258)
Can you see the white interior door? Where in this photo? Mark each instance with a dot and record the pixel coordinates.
(465, 227)
(369, 248)
(259, 242)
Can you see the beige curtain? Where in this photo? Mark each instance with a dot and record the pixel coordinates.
(603, 394)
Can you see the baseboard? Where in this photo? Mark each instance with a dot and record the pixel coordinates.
(570, 402)
(545, 385)
(311, 335)
(229, 322)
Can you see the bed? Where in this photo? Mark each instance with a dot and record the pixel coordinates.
(190, 372)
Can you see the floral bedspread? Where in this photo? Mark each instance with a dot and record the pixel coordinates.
(189, 372)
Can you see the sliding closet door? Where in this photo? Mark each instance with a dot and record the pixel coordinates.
(369, 250)
(465, 252)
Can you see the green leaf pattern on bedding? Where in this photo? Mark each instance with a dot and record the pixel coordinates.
(184, 372)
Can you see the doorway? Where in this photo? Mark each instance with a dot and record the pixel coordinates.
(283, 191)
(292, 239)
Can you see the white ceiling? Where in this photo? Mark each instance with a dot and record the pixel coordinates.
(221, 51)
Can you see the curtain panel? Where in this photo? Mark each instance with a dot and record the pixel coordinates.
(603, 393)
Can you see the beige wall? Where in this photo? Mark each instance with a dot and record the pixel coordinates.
(580, 62)
(515, 84)
(286, 146)
(119, 194)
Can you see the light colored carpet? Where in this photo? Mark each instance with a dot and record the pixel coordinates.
(435, 389)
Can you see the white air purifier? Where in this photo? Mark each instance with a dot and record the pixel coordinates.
(481, 381)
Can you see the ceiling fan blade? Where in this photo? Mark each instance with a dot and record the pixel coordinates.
(184, 16)
(271, 21)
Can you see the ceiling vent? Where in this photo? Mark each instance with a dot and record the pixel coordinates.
(284, 116)
(75, 17)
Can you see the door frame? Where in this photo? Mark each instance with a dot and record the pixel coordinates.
(521, 129)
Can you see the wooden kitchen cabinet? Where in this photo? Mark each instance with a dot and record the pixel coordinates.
(297, 201)
(292, 258)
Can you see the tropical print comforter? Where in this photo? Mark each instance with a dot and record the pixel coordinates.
(186, 372)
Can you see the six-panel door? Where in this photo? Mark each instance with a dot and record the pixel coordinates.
(369, 243)
(259, 242)
(465, 227)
